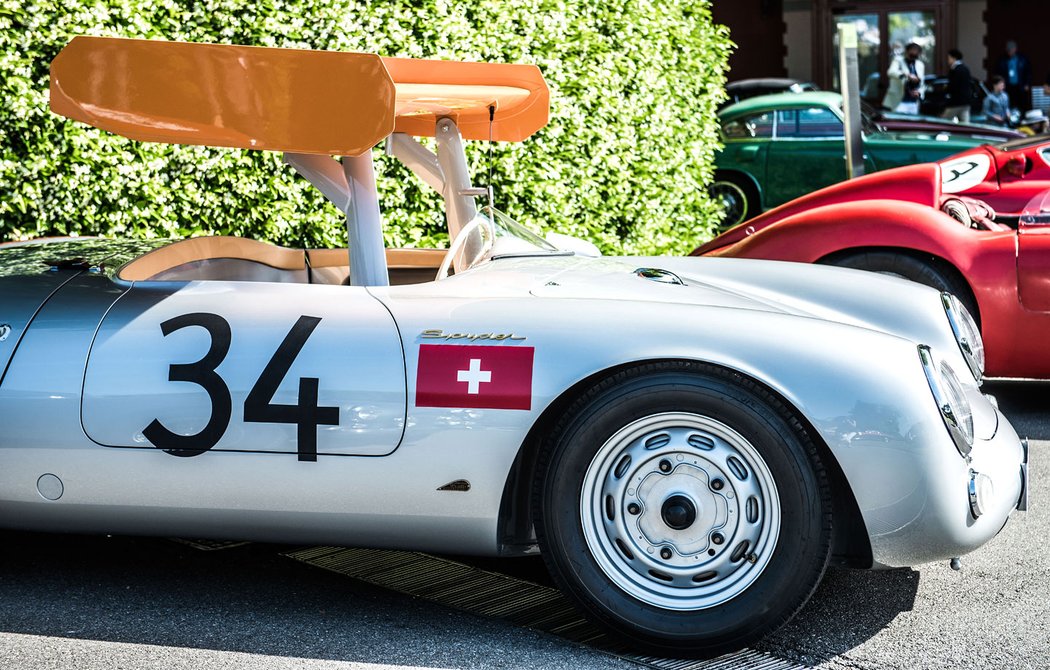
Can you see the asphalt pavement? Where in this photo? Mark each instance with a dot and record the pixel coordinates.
(112, 602)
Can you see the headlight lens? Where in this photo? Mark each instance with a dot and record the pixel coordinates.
(967, 334)
(951, 400)
(963, 414)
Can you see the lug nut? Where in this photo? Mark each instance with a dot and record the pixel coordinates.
(665, 553)
(665, 465)
(717, 484)
(633, 508)
(718, 538)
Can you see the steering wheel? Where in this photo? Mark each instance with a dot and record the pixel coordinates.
(479, 221)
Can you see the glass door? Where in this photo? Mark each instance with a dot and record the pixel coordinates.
(869, 42)
(884, 28)
(914, 27)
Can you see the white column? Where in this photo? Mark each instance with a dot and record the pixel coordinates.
(363, 223)
(459, 207)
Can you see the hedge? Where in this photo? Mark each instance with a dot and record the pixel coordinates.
(622, 163)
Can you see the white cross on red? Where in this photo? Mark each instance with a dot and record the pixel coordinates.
(474, 376)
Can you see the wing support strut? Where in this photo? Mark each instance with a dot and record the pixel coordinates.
(446, 172)
(351, 186)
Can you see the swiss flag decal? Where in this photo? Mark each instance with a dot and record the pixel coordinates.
(492, 377)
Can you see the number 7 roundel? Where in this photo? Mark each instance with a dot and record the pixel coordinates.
(474, 376)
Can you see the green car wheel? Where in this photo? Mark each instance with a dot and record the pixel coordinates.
(734, 198)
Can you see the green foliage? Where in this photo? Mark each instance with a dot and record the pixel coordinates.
(634, 85)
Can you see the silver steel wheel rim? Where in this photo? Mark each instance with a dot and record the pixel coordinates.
(733, 201)
(632, 490)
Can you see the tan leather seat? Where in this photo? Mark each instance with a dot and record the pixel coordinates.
(225, 258)
(405, 266)
(219, 258)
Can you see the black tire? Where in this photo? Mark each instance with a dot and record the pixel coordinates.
(738, 198)
(792, 565)
(927, 272)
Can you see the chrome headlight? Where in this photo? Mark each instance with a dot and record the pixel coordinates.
(967, 334)
(951, 400)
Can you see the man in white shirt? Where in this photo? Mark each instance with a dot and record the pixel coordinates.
(905, 81)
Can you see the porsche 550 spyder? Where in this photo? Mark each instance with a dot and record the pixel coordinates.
(688, 442)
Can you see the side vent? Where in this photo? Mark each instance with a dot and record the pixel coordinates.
(458, 485)
(659, 275)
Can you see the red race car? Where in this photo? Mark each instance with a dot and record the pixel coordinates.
(1006, 176)
(903, 222)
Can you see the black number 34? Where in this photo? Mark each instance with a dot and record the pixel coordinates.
(258, 406)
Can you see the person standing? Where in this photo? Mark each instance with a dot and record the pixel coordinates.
(905, 81)
(1016, 70)
(997, 104)
(960, 88)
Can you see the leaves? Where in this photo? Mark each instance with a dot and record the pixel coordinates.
(634, 85)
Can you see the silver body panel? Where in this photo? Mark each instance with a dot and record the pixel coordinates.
(22, 297)
(354, 349)
(839, 346)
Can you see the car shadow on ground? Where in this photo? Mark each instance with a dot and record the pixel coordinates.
(250, 599)
(246, 599)
(849, 608)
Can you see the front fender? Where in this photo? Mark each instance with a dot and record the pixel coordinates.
(919, 184)
(817, 233)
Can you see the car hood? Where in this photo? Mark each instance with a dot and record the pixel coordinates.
(669, 281)
(850, 297)
(834, 294)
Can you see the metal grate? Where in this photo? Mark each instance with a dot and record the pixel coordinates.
(503, 597)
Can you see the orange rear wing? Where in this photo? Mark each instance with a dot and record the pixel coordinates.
(290, 100)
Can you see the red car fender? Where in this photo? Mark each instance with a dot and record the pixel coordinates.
(814, 234)
(911, 183)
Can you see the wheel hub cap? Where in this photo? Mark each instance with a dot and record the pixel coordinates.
(680, 511)
(685, 490)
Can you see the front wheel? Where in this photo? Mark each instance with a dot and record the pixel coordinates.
(683, 507)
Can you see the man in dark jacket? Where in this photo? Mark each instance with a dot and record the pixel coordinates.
(960, 88)
(1016, 70)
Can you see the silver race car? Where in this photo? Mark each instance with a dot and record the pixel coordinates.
(687, 441)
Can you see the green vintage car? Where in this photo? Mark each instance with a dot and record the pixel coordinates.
(778, 147)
